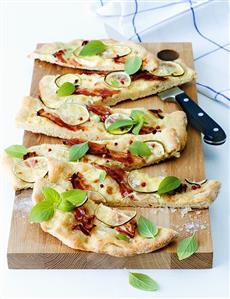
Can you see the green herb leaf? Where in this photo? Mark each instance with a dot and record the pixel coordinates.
(65, 206)
(168, 184)
(146, 228)
(142, 282)
(140, 149)
(17, 151)
(114, 83)
(102, 175)
(133, 64)
(51, 194)
(119, 124)
(75, 196)
(187, 247)
(77, 151)
(139, 118)
(94, 47)
(42, 211)
(122, 237)
(66, 89)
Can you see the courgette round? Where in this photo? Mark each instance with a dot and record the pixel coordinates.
(73, 113)
(168, 68)
(114, 118)
(72, 78)
(118, 79)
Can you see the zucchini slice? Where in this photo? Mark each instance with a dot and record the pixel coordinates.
(196, 183)
(114, 118)
(72, 78)
(142, 182)
(114, 217)
(116, 51)
(118, 79)
(96, 196)
(31, 169)
(167, 68)
(73, 113)
(156, 147)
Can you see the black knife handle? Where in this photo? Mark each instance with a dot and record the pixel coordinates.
(213, 133)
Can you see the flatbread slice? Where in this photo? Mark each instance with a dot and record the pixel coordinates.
(81, 228)
(108, 89)
(90, 123)
(163, 145)
(135, 188)
(112, 59)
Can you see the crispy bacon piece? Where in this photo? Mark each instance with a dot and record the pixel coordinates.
(59, 55)
(90, 72)
(30, 155)
(147, 76)
(100, 110)
(99, 92)
(119, 175)
(101, 150)
(119, 59)
(84, 222)
(58, 121)
(78, 182)
(127, 229)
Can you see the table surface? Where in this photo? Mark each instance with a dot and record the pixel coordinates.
(21, 32)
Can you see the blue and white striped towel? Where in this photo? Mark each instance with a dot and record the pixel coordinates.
(203, 22)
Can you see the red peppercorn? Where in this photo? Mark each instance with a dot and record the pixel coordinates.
(143, 184)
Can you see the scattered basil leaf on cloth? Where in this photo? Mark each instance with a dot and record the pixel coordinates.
(133, 64)
(51, 194)
(119, 124)
(187, 247)
(140, 149)
(16, 151)
(139, 118)
(122, 237)
(142, 282)
(168, 184)
(42, 211)
(93, 47)
(66, 89)
(146, 228)
(76, 196)
(77, 151)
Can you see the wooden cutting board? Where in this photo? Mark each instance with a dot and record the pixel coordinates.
(29, 247)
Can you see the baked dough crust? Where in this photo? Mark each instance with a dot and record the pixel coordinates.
(60, 172)
(27, 119)
(102, 238)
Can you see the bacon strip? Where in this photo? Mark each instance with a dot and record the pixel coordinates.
(99, 92)
(102, 150)
(58, 121)
(102, 111)
(119, 175)
(127, 229)
(59, 55)
(83, 222)
(147, 76)
(30, 155)
(78, 182)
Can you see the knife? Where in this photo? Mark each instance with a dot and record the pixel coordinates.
(198, 118)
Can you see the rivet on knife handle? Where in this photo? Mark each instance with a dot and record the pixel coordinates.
(199, 119)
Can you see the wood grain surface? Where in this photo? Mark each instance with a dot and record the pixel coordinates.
(29, 247)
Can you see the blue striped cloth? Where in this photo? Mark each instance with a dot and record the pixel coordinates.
(202, 22)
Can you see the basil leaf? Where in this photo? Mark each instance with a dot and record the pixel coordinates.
(16, 151)
(65, 206)
(140, 149)
(77, 151)
(66, 89)
(119, 124)
(42, 211)
(187, 247)
(142, 282)
(122, 237)
(146, 228)
(114, 83)
(133, 64)
(168, 184)
(51, 194)
(76, 196)
(94, 47)
(139, 118)
(102, 175)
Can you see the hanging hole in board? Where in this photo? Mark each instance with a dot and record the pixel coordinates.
(167, 55)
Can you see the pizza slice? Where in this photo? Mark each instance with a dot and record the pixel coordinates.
(114, 186)
(113, 87)
(97, 122)
(100, 55)
(73, 218)
(31, 165)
